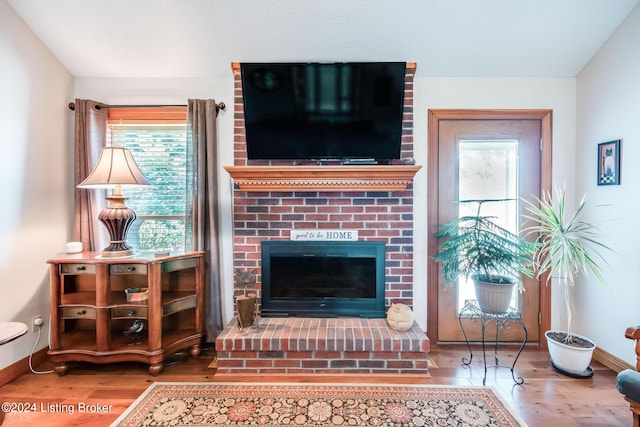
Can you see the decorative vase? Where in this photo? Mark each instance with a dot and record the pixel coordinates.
(400, 317)
(570, 359)
(246, 311)
(493, 297)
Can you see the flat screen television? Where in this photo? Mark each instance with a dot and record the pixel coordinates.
(317, 111)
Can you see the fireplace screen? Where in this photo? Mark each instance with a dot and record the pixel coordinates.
(323, 279)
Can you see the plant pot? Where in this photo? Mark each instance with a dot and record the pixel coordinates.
(567, 358)
(494, 297)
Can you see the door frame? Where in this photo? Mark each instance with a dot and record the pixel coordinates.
(434, 117)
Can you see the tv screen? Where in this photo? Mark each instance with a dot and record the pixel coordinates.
(316, 111)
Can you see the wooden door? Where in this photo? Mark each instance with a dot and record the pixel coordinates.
(484, 159)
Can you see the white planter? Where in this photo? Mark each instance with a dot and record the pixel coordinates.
(493, 297)
(573, 360)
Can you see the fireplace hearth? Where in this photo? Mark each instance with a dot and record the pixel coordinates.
(323, 279)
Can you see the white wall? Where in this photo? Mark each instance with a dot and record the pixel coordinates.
(35, 170)
(608, 108)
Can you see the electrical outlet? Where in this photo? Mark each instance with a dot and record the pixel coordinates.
(36, 321)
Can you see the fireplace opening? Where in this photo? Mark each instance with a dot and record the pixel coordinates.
(323, 279)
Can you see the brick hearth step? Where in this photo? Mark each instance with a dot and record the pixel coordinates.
(321, 345)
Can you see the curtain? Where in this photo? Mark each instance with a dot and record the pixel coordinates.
(90, 137)
(202, 203)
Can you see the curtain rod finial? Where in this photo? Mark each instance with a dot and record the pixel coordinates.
(72, 106)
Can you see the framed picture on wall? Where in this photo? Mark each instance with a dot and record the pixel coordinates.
(609, 163)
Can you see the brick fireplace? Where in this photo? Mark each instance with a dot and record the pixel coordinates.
(385, 216)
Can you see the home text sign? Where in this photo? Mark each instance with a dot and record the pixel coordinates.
(324, 235)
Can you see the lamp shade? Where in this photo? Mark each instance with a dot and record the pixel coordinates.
(115, 167)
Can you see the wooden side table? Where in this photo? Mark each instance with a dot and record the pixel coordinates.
(94, 319)
(10, 331)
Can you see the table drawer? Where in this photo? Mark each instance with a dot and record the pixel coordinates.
(128, 268)
(78, 313)
(129, 313)
(77, 269)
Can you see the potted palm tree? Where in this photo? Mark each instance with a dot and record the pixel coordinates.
(476, 247)
(567, 247)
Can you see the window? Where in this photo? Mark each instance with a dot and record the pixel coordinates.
(488, 169)
(157, 140)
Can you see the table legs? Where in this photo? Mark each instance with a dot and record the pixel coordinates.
(486, 319)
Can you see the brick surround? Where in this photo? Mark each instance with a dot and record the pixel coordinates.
(382, 216)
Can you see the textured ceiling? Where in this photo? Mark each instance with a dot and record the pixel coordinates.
(200, 38)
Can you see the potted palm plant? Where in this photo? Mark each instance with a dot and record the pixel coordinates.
(567, 246)
(476, 247)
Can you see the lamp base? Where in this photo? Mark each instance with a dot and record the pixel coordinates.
(116, 253)
(117, 218)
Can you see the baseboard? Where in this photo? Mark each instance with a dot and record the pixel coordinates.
(12, 372)
(610, 361)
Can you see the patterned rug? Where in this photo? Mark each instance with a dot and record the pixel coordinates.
(222, 404)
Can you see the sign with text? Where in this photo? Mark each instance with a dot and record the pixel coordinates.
(324, 235)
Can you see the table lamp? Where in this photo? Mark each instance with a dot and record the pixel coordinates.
(116, 169)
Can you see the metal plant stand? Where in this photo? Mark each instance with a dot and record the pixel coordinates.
(471, 310)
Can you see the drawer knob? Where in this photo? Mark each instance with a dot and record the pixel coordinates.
(131, 313)
(81, 268)
(131, 269)
(81, 312)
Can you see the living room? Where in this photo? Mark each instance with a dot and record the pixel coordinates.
(593, 100)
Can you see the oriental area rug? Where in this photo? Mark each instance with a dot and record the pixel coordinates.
(278, 404)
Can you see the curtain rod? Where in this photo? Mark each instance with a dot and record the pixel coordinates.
(72, 106)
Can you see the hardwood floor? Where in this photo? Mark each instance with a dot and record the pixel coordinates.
(546, 398)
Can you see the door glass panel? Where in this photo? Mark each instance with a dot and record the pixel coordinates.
(488, 169)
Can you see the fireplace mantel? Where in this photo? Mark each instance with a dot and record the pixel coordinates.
(323, 178)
